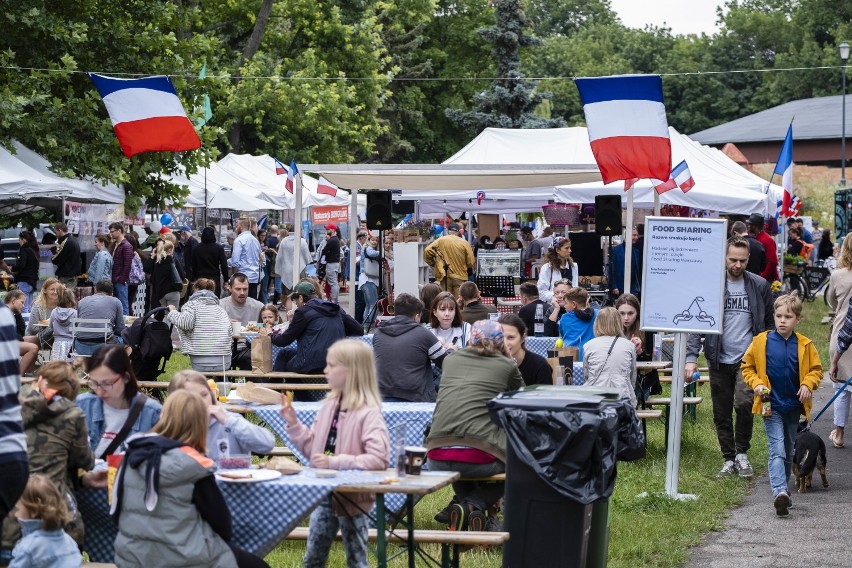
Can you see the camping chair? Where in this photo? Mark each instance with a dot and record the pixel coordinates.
(89, 327)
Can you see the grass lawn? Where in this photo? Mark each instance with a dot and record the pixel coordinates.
(645, 531)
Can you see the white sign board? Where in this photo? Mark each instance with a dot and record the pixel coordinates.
(683, 278)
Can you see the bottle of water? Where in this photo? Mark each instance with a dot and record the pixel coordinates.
(539, 321)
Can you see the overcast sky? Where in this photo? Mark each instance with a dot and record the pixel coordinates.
(682, 16)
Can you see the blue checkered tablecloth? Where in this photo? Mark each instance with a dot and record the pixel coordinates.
(415, 416)
(262, 513)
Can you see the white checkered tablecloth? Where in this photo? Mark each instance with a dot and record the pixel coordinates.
(415, 416)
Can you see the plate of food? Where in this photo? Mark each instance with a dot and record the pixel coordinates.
(247, 475)
(252, 327)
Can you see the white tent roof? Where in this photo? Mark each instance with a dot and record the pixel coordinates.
(79, 189)
(19, 181)
(215, 179)
(259, 172)
(720, 183)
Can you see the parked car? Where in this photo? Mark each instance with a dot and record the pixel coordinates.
(9, 242)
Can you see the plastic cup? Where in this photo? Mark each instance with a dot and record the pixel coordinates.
(414, 458)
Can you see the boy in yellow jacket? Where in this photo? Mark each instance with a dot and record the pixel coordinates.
(787, 365)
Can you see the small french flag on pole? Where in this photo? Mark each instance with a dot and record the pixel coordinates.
(289, 185)
(280, 168)
(325, 187)
(146, 114)
(683, 177)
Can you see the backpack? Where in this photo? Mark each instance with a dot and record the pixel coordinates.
(151, 340)
(137, 273)
(806, 251)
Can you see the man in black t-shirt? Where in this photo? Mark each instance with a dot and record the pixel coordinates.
(529, 302)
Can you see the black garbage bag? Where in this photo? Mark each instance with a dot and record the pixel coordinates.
(575, 448)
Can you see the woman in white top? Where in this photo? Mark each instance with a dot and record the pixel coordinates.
(559, 266)
(609, 360)
(445, 322)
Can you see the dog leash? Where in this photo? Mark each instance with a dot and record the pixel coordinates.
(824, 408)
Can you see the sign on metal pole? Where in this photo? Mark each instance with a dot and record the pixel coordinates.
(683, 283)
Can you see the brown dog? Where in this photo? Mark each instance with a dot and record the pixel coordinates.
(810, 455)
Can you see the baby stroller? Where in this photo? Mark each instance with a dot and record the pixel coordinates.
(151, 340)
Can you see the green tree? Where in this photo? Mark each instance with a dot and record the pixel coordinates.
(512, 100)
(567, 17)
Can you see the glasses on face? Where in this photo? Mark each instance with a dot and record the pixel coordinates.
(103, 385)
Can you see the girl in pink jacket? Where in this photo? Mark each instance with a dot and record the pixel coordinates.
(348, 433)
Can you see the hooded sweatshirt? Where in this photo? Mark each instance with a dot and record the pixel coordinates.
(576, 328)
(315, 325)
(404, 352)
(60, 321)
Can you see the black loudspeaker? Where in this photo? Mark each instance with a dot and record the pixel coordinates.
(379, 210)
(587, 253)
(403, 207)
(608, 215)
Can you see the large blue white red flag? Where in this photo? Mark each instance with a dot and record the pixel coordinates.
(784, 168)
(146, 114)
(626, 121)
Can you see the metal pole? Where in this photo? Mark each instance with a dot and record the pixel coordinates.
(204, 211)
(297, 228)
(353, 243)
(843, 135)
(656, 204)
(628, 245)
(675, 416)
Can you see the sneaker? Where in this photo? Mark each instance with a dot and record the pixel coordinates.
(727, 470)
(458, 517)
(476, 521)
(443, 515)
(743, 466)
(782, 504)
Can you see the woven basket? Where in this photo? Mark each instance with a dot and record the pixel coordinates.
(562, 214)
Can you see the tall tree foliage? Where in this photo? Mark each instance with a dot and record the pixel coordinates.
(512, 100)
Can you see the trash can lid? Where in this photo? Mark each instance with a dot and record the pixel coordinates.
(549, 397)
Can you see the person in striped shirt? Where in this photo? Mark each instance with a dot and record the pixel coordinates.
(14, 469)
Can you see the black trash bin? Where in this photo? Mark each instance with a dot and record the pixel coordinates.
(562, 447)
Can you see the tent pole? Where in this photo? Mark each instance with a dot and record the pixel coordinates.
(656, 203)
(628, 244)
(204, 211)
(353, 243)
(297, 228)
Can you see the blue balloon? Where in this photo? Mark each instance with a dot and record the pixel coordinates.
(166, 219)
(438, 229)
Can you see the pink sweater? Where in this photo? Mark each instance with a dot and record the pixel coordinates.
(362, 443)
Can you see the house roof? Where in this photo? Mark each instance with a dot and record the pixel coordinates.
(815, 119)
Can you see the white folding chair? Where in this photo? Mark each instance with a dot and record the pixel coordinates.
(90, 327)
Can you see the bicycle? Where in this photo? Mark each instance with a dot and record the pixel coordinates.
(816, 279)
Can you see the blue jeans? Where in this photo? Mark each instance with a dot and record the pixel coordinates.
(781, 435)
(371, 294)
(120, 292)
(81, 348)
(28, 290)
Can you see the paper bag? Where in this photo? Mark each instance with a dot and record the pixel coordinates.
(261, 354)
(565, 357)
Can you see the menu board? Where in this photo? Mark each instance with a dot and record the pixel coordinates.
(683, 274)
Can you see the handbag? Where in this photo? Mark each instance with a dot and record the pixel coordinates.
(137, 273)
(261, 354)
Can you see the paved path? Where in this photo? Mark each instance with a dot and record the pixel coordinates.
(814, 534)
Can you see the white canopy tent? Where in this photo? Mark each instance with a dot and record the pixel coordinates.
(259, 172)
(720, 183)
(207, 182)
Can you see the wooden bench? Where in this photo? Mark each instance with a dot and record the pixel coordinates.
(691, 402)
(649, 414)
(445, 538)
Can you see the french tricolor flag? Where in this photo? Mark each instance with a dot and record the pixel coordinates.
(146, 114)
(784, 168)
(325, 187)
(626, 121)
(680, 177)
(290, 184)
(280, 168)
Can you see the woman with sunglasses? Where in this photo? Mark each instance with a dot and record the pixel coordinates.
(559, 266)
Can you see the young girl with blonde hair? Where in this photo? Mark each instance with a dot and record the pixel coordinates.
(349, 433)
(168, 507)
(42, 513)
(228, 433)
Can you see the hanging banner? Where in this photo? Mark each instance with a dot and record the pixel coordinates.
(683, 276)
(89, 219)
(325, 214)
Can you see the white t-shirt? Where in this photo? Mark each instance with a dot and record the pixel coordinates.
(114, 419)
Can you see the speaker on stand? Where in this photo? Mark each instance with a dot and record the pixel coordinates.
(607, 224)
(379, 210)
